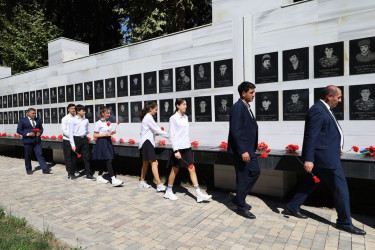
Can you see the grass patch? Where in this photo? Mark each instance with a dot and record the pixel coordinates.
(16, 234)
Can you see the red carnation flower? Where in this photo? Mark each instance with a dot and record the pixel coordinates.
(355, 148)
(113, 139)
(292, 147)
(36, 130)
(162, 128)
(118, 123)
(60, 137)
(108, 124)
(223, 144)
(131, 141)
(89, 138)
(161, 143)
(264, 155)
(121, 140)
(79, 156)
(95, 139)
(195, 144)
(316, 179)
(53, 137)
(191, 166)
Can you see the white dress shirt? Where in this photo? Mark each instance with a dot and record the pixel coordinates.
(65, 125)
(101, 127)
(179, 131)
(149, 129)
(338, 126)
(78, 127)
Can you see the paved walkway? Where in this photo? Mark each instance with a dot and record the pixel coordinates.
(97, 216)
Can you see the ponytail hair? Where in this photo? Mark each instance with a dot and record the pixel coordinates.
(179, 101)
(103, 109)
(148, 106)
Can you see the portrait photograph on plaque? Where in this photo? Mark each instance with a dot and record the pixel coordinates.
(39, 114)
(10, 117)
(165, 81)
(183, 78)
(338, 111)
(136, 85)
(151, 101)
(47, 116)
(61, 94)
(266, 68)
(26, 99)
(223, 72)
(149, 82)
(69, 93)
(112, 107)
(135, 108)
(296, 64)
(10, 101)
(89, 91)
(122, 86)
(5, 105)
(20, 100)
(97, 112)
(32, 98)
(5, 117)
(45, 96)
(110, 88)
(61, 113)
(362, 102)
(223, 104)
(123, 112)
(15, 117)
(54, 118)
(362, 56)
(89, 113)
(329, 60)
(165, 109)
(15, 100)
(295, 104)
(1, 118)
(53, 94)
(202, 76)
(267, 106)
(78, 92)
(21, 114)
(202, 106)
(99, 89)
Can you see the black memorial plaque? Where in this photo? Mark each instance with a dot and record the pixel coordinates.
(5, 117)
(362, 102)
(54, 118)
(10, 117)
(53, 92)
(329, 60)
(21, 114)
(47, 116)
(10, 101)
(78, 92)
(45, 96)
(39, 114)
(33, 98)
(267, 106)
(61, 94)
(89, 91)
(15, 100)
(15, 117)
(361, 58)
(99, 89)
(223, 104)
(112, 108)
(26, 99)
(20, 100)
(295, 104)
(183, 78)
(203, 109)
(202, 76)
(149, 82)
(223, 71)
(135, 108)
(1, 118)
(339, 109)
(296, 64)
(123, 112)
(110, 88)
(5, 102)
(61, 113)
(122, 86)
(266, 68)
(89, 113)
(98, 116)
(165, 81)
(69, 93)
(136, 84)
(166, 109)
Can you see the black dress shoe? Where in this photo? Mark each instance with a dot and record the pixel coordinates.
(90, 177)
(47, 171)
(72, 177)
(246, 214)
(295, 214)
(235, 202)
(29, 172)
(350, 229)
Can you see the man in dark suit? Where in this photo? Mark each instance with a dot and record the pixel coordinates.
(322, 149)
(31, 140)
(242, 144)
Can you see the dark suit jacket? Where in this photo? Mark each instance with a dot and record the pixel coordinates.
(243, 130)
(321, 142)
(25, 127)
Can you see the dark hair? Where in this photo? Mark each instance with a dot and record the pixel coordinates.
(179, 101)
(245, 86)
(79, 107)
(30, 109)
(365, 87)
(71, 105)
(329, 90)
(148, 106)
(103, 109)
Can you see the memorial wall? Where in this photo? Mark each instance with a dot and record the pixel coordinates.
(289, 51)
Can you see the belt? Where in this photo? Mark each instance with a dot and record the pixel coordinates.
(81, 136)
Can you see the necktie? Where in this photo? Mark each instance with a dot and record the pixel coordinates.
(252, 115)
(33, 122)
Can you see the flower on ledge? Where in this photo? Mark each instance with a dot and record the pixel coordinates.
(60, 137)
(263, 149)
(131, 141)
(161, 142)
(292, 148)
(355, 149)
(113, 139)
(370, 151)
(121, 140)
(53, 137)
(195, 144)
(223, 144)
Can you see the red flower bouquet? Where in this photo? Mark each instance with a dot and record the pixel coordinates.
(292, 148)
(370, 151)
(161, 142)
(195, 144)
(131, 141)
(121, 140)
(95, 139)
(263, 149)
(223, 144)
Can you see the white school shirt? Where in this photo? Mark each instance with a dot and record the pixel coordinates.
(179, 131)
(78, 127)
(149, 129)
(101, 127)
(338, 126)
(65, 125)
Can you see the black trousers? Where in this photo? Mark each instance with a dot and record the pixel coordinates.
(108, 165)
(68, 153)
(82, 148)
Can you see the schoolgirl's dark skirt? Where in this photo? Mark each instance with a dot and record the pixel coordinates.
(148, 151)
(185, 162)
(103, 149)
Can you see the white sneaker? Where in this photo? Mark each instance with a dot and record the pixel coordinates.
(171, 196)
(101, 180)
(143, 184)
(161, 188)
(116, 182)
(203, 197)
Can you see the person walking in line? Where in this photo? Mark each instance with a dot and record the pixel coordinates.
(78, 130)
(103, 149)
(182, 156)
(67, 149)
(149, 130)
